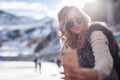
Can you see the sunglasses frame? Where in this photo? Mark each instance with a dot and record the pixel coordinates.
(71, 24)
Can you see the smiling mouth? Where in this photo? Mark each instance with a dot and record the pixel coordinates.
(76, 27)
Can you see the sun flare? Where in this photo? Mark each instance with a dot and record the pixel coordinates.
(77, 3)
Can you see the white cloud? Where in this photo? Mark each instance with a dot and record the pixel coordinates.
(22, 5)
(25, 9)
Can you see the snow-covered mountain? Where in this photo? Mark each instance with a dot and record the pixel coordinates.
(11, 21)
(8, 18)
(20, 35)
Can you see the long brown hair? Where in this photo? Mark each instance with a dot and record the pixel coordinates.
(72, 40)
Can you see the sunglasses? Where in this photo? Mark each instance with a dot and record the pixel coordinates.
(70, 23)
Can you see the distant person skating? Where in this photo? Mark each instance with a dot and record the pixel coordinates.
(58, 62)
(37, 62)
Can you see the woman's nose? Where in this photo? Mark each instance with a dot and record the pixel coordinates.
(75, 23)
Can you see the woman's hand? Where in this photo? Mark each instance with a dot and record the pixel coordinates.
(72, 73)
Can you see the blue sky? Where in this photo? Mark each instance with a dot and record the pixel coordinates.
(38, 8)
(49, 3)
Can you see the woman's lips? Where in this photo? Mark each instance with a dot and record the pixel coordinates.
(76, 28)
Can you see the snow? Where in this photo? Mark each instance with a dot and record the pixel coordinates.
(25, 71)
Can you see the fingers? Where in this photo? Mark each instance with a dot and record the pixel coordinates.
(66, 77)
(73, 70)
(72, 73)
(72, 76)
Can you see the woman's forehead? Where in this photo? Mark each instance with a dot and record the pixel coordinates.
(73, 14)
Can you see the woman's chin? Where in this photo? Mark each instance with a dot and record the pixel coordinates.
(77, 32)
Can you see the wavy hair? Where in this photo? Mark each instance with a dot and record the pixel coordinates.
(72, 40)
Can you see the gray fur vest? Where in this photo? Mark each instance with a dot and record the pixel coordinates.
(86, 57)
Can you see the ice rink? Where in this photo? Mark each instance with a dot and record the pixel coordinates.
(12, 70)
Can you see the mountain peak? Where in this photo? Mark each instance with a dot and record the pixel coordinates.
(2, 12)
(7, 18)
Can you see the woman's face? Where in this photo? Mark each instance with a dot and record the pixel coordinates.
(74, 22)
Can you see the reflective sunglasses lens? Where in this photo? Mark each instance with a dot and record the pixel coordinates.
(70, 24)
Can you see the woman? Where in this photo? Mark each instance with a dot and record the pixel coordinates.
(73, 24)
